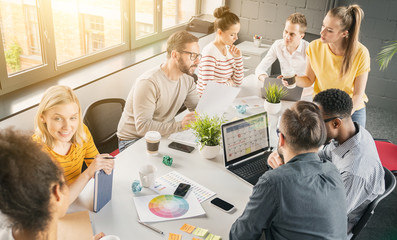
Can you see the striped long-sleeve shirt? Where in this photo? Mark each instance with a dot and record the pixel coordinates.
(214, 66)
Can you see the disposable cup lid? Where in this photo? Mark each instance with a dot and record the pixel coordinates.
(153, 135)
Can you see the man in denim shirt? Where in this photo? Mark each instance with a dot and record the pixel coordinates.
(303, 198)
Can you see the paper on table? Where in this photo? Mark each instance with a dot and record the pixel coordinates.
(211, 103)
(250, 101)
(185, 137)
(159, 208)
(75, 226)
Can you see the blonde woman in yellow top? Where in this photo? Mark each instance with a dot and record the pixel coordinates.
(338, 59)
(60, 129)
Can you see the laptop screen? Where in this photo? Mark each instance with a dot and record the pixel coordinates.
(245, 137)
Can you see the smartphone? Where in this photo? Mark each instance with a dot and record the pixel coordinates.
(225, 206)
(181, 147)
(182, 189)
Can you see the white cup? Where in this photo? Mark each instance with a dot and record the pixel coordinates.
(152, 142)
(110, 237)
(146, 173)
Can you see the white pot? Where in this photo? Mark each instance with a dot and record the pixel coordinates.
(209, 151)
(272, 108)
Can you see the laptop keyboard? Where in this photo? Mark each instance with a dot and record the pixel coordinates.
(253, 168)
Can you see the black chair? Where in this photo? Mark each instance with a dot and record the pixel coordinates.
(102, 118)
(390, 184)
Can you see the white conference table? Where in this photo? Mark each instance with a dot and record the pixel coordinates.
(119, 216)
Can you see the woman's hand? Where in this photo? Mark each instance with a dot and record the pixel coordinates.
(103, 162)
(285, 83)
(234, 51)
(98, 236)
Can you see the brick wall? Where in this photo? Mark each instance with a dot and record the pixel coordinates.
(267, 17)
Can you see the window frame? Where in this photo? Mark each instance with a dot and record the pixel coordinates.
(49, 67)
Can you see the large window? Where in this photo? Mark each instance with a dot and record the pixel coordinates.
(45, 38)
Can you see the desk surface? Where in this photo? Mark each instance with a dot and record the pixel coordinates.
(119, 216)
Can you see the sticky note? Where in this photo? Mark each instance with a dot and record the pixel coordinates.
(187, 228)
(196, 239)
(213, 237)
(201, 232)
(174, 236)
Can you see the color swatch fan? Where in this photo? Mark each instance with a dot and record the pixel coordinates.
(157, 208)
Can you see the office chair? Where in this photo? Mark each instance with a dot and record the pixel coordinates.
(387, 153)
(102, 118)
(390, 184)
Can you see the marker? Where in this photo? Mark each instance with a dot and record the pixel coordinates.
(103, 158)
(148, 226)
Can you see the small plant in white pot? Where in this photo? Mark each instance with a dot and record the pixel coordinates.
(274, 93)
(208, 132)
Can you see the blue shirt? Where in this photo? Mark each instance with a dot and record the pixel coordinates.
(302, 199)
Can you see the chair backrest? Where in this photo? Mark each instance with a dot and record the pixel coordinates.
(102, 118)
(387, 153)
(390, 184)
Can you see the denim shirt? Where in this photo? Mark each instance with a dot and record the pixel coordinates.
(302, 199)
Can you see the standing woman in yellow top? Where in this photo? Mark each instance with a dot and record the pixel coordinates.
(60, 129)
(338, 59)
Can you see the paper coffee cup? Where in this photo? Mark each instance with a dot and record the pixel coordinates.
(146, 174)
(291, 81)
(110, 237)
(152, 142)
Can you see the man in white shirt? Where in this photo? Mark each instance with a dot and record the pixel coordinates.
(290, 51)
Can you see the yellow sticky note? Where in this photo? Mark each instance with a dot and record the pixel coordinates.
(174, 236)
(248, 150)
(213, 237)
(187, 228)
(196, 238)
(201, 232)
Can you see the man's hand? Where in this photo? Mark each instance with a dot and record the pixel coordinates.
(262, 77)
(188, 119)
(274, 160)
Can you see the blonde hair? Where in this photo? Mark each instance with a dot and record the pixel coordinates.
(350, 20)
(224, 18)
(52, 97)
(298, 18)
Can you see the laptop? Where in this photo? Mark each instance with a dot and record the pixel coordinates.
(294, 94)
(246, 146)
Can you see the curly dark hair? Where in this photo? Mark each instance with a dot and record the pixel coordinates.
(26, 176)
(335, 102)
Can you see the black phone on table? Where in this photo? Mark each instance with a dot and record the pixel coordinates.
(181, 147)
(222, 204)
(182, 189)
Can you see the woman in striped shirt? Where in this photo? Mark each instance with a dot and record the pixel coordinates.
(222, 61)
(60, 129)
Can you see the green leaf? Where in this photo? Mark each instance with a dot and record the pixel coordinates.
(386, 55)
(207, 129)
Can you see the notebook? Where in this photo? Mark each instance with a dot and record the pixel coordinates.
(293, 94)
(102, 189)
(246, 146)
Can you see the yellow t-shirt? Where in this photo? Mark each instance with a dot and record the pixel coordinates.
(73, 160)
(326, 66)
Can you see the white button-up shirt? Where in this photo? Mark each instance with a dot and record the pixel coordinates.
(294, 63)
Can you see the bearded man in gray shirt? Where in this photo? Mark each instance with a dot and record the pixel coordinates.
(159, 93)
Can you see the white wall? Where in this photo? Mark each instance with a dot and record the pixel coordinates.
(115, 85)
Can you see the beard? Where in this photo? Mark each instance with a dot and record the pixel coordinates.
(280, 153)
(189, 70)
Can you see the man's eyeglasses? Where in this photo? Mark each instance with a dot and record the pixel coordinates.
(193, 56)
(278, 133)
(330, 119)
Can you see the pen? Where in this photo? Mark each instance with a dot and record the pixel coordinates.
(153, 228)
(103, 157)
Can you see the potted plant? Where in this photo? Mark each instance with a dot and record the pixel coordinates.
(386, 54)
(208, 132)
(274, 93)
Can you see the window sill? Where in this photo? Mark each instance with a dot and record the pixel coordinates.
(16, 102)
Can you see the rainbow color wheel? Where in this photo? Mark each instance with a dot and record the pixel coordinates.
(168, 206)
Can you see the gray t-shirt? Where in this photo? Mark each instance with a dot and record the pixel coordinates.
(153, 102)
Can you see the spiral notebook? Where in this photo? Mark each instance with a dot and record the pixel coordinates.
(102, 189)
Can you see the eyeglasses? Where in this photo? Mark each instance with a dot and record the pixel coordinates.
(330, 119)
(278, 133)
(193, 56)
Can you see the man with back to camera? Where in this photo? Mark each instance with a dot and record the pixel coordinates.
(302, 199)
(290, 51)
(159, 93)
(352, 149)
